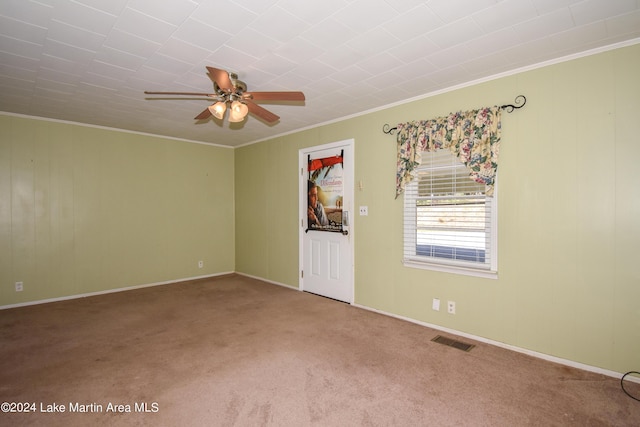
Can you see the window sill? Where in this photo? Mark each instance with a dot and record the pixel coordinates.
(448, 268)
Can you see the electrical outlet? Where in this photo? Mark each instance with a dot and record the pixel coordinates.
(19, 286)
(200, 264)
(435, 305)
(451, 307)
(364, 211)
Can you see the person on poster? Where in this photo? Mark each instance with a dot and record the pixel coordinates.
(315, 211)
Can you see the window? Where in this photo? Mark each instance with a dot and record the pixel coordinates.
(449, 223)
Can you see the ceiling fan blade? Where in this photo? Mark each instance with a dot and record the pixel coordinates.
(263, 113)
(204, 115)
(221, 78)
(179, 93)
(275, 96)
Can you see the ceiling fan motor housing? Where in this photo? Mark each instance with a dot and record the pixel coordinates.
(239, 87)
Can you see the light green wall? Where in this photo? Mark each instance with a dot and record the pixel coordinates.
(569, 213)
(265, 244)
(86, 210)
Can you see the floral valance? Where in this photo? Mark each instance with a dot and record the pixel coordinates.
(473, 136)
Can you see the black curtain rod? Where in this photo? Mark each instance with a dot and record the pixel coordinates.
(517, 103)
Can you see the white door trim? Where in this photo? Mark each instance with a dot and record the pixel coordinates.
(349, 167)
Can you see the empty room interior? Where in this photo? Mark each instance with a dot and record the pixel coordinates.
(344, 212)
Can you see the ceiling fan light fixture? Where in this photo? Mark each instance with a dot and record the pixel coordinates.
(218, 109)
(235, 118)
(238, 112)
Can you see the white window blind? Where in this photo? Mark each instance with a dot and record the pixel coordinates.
(449, 223)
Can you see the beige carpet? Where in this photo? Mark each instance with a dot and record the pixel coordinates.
(233, 351)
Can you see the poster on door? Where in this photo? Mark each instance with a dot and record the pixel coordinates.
(325, 194)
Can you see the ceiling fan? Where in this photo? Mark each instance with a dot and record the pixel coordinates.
(231, 93)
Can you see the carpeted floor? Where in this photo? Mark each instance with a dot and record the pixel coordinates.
(234, 351)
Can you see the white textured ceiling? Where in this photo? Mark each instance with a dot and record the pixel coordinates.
(89, 61)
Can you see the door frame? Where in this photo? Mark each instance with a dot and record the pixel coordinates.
(349, 168)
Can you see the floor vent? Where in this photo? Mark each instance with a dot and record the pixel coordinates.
(453, 343)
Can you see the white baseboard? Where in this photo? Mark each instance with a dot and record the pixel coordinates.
(532, 353)
(536, 354)
(268, 281)
(109, 291)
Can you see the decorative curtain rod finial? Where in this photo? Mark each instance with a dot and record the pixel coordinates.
(517, 104)
(386, 129)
